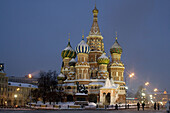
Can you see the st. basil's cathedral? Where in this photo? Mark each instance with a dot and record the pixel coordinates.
(101, 76)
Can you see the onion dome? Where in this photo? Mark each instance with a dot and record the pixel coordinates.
(103, 59)
(95, 10)
(61, 77)
(72, 62)
(82, 47)
(68, 51)
(116, 48)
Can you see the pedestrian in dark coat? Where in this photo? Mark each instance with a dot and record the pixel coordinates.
(138, 106)
(154, 106)
(116, 107)
(158, 106)
(128, 106)
(143, 106)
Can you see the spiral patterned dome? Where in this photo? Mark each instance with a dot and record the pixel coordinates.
(61, 77)
(68, 52)
(103, 59)
(82, 47)
(116, 48)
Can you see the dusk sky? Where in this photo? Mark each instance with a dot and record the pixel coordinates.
(33, 34)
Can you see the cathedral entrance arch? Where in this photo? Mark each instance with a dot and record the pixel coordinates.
(107, 99)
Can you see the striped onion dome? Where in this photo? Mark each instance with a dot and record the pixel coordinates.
(82, 47)
(116, 48)
(103, 59)
(61, 77)
(68, 52)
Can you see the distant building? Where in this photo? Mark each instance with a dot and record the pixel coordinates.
(25, 79)
(3, 85)
(159, 96)
(19, 93)
(13, 93)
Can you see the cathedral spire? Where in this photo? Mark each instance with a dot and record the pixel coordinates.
(83, 35)
(68, 40)
(116, 35)
(95, 28)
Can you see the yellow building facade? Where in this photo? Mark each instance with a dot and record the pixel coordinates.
(13, 93)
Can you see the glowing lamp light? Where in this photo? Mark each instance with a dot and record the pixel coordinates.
(155, 90)
(147, 83)
(143, 94)
(18, 89)
(15, 96)
(131, 75)
(29, 76)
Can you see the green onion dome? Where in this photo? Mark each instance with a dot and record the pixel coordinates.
(116, 48)
(68, 52)
(72, 62)
(103, 59)
(82, 47)
(61, 77)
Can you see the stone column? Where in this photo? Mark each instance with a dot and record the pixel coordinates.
(111, 98)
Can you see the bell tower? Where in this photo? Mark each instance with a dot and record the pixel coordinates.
(95, 42)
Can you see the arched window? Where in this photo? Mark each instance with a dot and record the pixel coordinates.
(68, 87)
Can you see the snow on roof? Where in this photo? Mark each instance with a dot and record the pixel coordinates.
(116, 45)
(96, 83)
(61, 75)
(21, 84)
(103, 56)
(69, 84)
(81, 94)
(69, 48)
(108, 85)
(72, 60)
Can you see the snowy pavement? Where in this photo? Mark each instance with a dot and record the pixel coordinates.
(79, 111)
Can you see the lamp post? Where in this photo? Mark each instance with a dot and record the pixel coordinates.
(30, 77)
(130, 76)
(15, 96)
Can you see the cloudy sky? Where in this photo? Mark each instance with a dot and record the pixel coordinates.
(33, 34)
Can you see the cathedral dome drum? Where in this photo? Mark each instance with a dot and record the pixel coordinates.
(68, 52)
(116, 48)
(82, 47)
(72, 62)
(103, 59)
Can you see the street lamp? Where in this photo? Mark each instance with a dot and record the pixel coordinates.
(146, 83)
(155, 90)
(29, 75)
(130, 76)
(15, 96)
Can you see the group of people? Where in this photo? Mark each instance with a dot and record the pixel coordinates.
(138, 106)
(156, 105)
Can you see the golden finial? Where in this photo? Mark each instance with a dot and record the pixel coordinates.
(83, 35)
(69, 37)
(116, 35)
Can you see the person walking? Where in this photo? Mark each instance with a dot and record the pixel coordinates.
(167, 106)
(143, 106)
(154, 106)
(158, 106)
(116, 107)
(138, 106)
